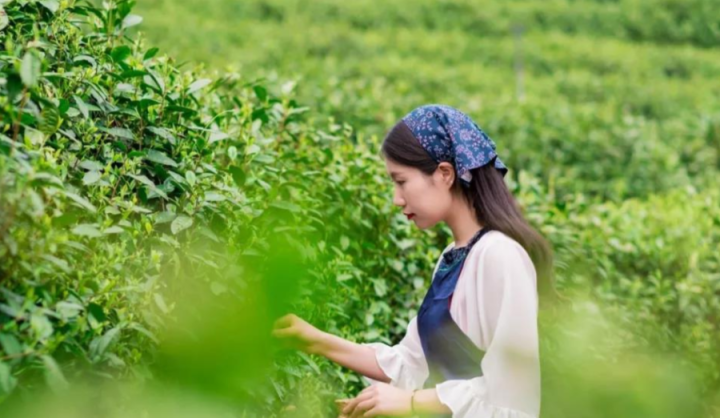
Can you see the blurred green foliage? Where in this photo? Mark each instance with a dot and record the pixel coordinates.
(154, 220)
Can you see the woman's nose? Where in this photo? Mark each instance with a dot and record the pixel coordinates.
(398, 200)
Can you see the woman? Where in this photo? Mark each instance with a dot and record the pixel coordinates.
(472, 350)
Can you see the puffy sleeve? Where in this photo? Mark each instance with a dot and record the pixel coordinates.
(404, 363)
(507, 304)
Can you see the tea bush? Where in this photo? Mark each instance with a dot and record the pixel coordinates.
(125, 181)
(142, 203)
(600, 115)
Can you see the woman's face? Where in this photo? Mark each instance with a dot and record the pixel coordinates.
(427, 197)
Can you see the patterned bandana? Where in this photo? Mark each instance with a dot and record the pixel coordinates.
(447, 134)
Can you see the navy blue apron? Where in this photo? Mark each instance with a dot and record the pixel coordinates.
(449, 352)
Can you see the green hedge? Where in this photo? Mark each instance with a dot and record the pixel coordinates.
(116, 167)
(128, 184)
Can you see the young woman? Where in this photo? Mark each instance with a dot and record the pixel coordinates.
(472, 349)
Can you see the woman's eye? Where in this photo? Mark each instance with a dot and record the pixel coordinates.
(400, 183)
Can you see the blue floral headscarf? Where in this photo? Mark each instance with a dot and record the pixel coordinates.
(448, 134)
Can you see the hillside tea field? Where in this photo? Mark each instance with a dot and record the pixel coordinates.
(177, 174)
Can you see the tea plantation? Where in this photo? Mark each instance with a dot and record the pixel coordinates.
(176, 174)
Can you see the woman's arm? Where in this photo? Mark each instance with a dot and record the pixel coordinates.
(297, 333)
(354, 356)
(382, 399)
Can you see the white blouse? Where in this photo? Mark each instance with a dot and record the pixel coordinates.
(496, 304)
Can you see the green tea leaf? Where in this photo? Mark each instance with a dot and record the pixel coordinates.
(163, 133)
(10, 344)
(41, 326)
(131, 20)
(160, 158)
(91, 177)
(142, 179)
(86, 58)
(150, 53)
(199, 84)
(180, 223)
(216, 136)
(164, 217)
(190, 177)
(82, 107)
(7, 380)
(81, 201)
(214, 197)
(113, 230)
(90, 165)
(30, 69)
(99, 345)
(119, 132)
(52, 5)
(86, 230)
(68, 310)
(57, 262)
(121, 53)
(155, 81)
(34, 136)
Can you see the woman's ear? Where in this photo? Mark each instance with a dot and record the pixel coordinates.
(447, 173)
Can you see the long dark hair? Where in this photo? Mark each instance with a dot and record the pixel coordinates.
(495, 206)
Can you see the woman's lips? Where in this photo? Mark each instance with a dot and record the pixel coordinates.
(410, 216)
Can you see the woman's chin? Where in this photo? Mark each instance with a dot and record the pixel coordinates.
(422, 225)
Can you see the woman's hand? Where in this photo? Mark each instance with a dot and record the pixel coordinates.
(379, 399)
(297, 333)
